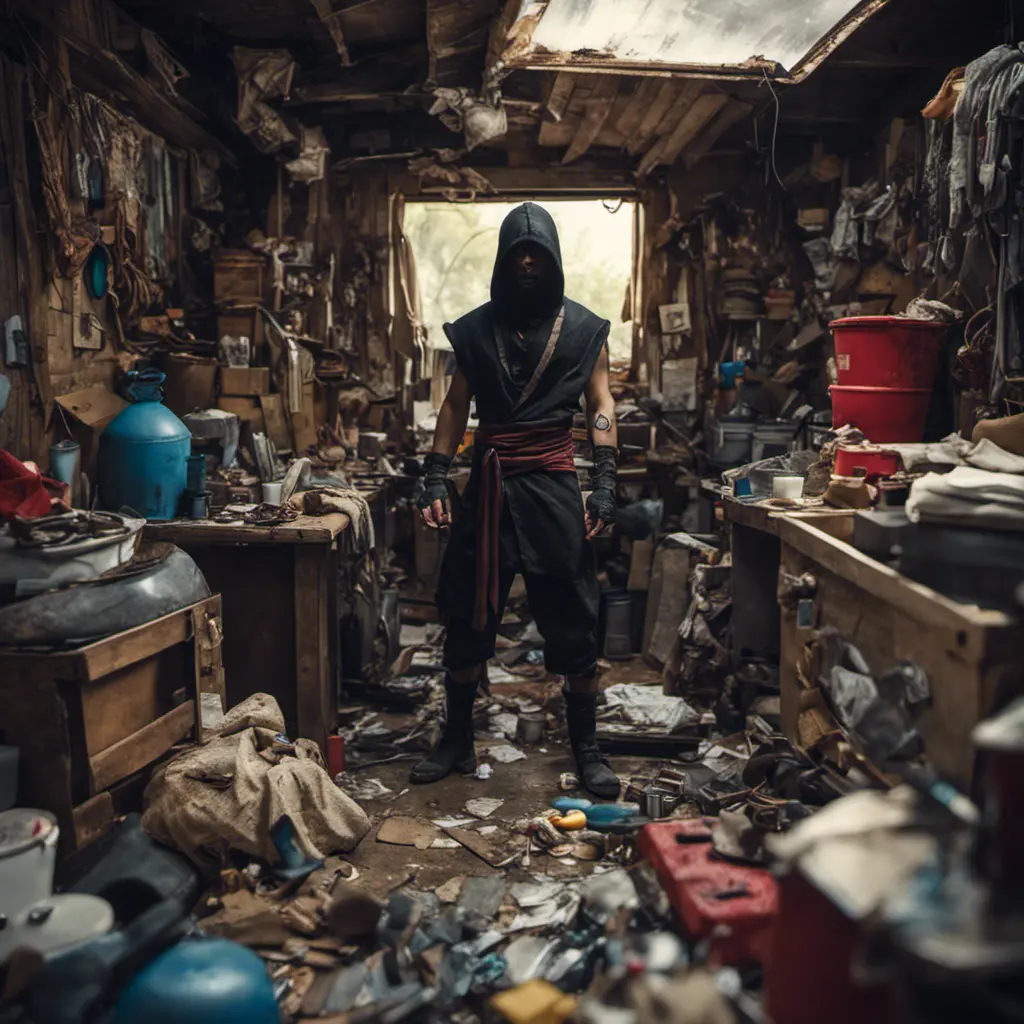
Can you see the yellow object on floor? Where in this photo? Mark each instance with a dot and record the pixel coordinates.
(571, 822)
(534, 1002)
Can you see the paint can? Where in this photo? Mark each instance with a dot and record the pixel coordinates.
(530, 727)
(28, 855)
(66, 462)
(272, 492)
(655, 803)
(335, 755)
(198, 504)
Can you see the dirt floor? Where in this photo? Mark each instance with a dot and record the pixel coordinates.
(527, 788)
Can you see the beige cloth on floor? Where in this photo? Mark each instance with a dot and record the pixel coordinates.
(229, 791)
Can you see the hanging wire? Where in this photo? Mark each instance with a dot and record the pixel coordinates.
(616, 207)
(775, 129)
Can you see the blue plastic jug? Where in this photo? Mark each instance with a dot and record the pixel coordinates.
(143, 456)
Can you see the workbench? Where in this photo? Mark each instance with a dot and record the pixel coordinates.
(971, 655)
(279, 590)
(756, 553)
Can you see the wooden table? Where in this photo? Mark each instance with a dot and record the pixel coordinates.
(278, 585)
(971, 655)
(756, 554)
(88, 721)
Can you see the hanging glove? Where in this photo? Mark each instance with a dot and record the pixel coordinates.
(435, 488)
(601, 503)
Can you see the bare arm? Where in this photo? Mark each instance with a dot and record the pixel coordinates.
(453, 416)
(451, 428)
(600, 405)
(603, 433)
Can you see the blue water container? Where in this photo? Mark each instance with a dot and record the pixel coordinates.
(143, 456)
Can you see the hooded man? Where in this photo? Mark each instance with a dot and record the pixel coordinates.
(527, 356)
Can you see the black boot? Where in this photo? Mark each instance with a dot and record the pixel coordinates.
(455, 751)
(594, 771)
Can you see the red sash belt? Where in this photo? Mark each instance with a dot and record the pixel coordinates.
(508, 451)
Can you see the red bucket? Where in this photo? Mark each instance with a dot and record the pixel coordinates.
(887, 351)
(876, 462)
(885, 415)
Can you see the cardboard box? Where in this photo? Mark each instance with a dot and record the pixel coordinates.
(244, 380)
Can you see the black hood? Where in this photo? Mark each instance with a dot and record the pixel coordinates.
(526, 223)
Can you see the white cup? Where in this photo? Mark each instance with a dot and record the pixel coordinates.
(272, 492)
(791, 487)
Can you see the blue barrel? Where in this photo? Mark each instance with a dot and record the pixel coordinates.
(143, 456)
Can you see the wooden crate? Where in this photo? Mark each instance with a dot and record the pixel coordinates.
(89, 719)
(970, 654)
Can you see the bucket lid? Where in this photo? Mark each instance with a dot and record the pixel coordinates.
(888, 321)
(22, 828)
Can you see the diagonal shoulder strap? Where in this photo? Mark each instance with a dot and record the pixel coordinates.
(549, 351)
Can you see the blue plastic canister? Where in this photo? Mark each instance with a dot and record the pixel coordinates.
(143, 455)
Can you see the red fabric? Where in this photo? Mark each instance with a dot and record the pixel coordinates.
(508, 451)
(22, 492)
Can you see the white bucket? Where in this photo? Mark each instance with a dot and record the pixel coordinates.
(28, 855)
(272, 492)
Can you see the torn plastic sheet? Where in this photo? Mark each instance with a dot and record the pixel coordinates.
(478, 120)
(646, 707)
(263, 75)
(311, 163)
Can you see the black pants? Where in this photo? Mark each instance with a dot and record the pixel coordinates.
(565, 611)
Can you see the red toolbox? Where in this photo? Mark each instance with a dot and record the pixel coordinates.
(732, 905)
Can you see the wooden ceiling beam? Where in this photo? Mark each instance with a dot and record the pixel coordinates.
(732, 113)
(693, 121)
(328, 19)
(596, 112)
(560, 95)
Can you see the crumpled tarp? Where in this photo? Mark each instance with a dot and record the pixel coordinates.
(263, 75)
(311, 163)
(228, 792)
(647, 707)
(478, 120)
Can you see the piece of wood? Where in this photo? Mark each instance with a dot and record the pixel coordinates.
(108, 655)
(207, 663)
(315, 691)
(639, 104)
(666, 603)
(329, 20)
(885, 583)
(560, 95)
(641, 559)
(303, 530)
(276, 422)
(668, 93)
(93, 818)
(732, 113)
(142, 748)
(704, 108)
(121, 703)
(596, 111)
(401, 830)
(480, 845)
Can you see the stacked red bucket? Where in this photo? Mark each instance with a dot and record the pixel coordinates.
(886, 367)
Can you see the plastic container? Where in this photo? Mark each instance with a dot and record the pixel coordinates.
(887, 351)
(738, 928)
(790, 487)
(885, 415)
(876, 462)
(272, 492)
(144, 453)
(733, 440)
(28, 855)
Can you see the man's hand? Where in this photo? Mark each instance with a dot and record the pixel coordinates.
(600, 511)
(433, 500)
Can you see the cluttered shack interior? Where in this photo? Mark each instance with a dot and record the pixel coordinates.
(511, 511)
